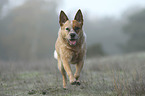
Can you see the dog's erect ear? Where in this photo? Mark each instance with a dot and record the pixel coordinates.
(79, 17)
(62, 18)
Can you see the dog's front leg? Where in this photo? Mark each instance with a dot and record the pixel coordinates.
(79, 67)
(68, 70)
(61, 68)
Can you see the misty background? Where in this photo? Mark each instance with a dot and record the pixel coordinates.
(28, 29)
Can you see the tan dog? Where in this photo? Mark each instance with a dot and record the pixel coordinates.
(70, 47)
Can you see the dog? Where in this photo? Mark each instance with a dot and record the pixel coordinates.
(70, 47)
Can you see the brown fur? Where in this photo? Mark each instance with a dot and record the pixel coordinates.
(68, 54)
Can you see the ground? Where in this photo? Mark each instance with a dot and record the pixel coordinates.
(104, 76)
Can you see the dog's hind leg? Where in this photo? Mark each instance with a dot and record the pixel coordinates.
(61, 69)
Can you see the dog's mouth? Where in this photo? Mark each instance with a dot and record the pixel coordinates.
(72, 42)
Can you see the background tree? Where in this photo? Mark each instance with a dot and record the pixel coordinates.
(95, 50)
(28, 31)
(2, 3)
(135, 29)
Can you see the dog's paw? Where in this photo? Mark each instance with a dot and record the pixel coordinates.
(78, 82)
(65, 88)
(72, 81)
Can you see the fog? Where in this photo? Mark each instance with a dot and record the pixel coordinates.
(28, 30)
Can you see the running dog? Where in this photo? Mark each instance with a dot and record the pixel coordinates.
(70, 47)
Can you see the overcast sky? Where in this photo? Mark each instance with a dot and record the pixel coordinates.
(95, 8)
(101, 7)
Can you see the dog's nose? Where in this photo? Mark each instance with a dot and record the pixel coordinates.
(72, 35)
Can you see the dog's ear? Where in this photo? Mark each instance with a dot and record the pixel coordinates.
(79, 17)
(62, 18)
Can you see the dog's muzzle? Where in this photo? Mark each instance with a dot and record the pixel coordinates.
(73, 38)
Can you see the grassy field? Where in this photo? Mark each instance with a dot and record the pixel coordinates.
(106, 76)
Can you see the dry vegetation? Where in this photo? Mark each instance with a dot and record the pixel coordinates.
(105, 76)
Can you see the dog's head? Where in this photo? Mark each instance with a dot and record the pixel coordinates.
(71, 29)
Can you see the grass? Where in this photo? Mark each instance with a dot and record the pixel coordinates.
(105, 76)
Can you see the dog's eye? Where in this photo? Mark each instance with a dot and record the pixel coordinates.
(67, 29)
(76, 28)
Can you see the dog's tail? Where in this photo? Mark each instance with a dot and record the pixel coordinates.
(55, 54)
